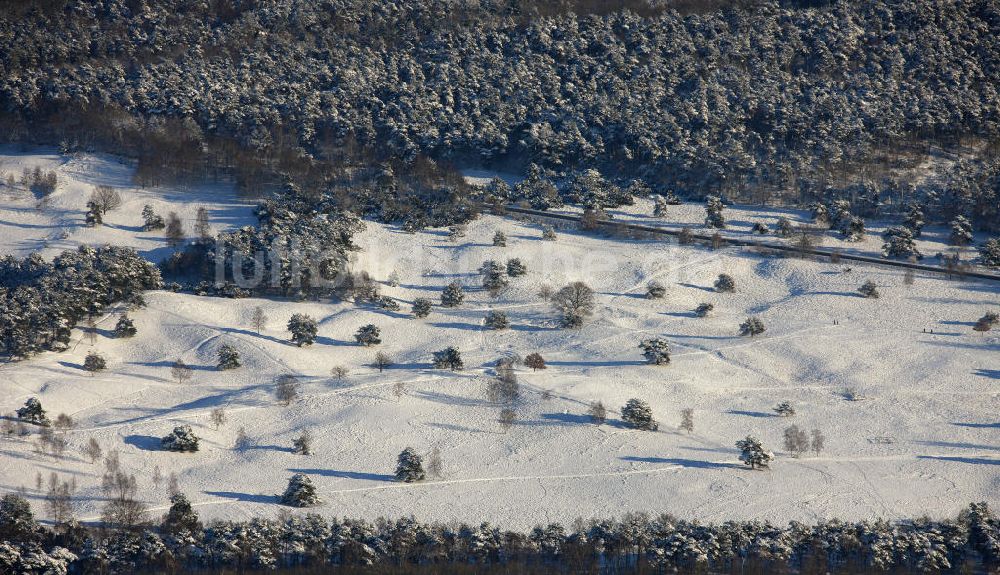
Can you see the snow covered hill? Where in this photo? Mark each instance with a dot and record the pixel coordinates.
(923, 440)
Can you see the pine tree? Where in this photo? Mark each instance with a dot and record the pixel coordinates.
(496, 319)
(174, 230)
(229, 358)
(656, 351)
(286, 388)
(32, 412)
(303, 329)
(452, 295)
(181, 439)
(151, 221)
(201, 226)
(784, 409)
(368, 335)
(989, 253)
(655, 290)
(818, 441)
(549, 233)
(899, 243)
(535, 361)
(500, 239)
(94, 362)
(181, 517)
(93, 217)
(597, 412)
(516, 268)
(784, 227)
(752, 453)
(853, 229)
(494, 277)
(421, 307)
(639, 415)
(819, 213)
(409, 467)
(725, 284)
(713, 213)
(387, 303)
(752, 326)
(659, 206)
(869, 290)
(124, 328)
(704, 309)
(448, 358)
(300, 492)
(961, 231)
(914, 220)
(760, 228)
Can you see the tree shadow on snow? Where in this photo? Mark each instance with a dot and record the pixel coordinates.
(990, 373)
(751, 413)
(346, 474)
(977, 425)
(695, 286)
(144, 442)
(244, 497)
(254, 334)
(972, 460)
(693, 463)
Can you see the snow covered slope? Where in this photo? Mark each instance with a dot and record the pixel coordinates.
(924, 439)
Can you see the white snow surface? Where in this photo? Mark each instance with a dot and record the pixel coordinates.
(925, 440)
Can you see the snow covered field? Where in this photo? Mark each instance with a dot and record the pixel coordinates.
(923, 441)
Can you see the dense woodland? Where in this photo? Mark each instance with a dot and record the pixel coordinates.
(754, 101)
(634, 544)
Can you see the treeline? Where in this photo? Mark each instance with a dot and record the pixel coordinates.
(637, 543)
(41, 302)
(753, 101)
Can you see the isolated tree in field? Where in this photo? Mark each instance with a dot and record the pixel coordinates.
(339, 372)
(399, 389)
(639, 415)
(655, 290)
(229, 358)
(393, 279)
(409, 466)
(597, 412)
(516, 268)
(300, 492)
(452, 295)
(94, 362)
(181, 517)
(506, 418)
(258, 320)
(687, 420)
(500, 239)
(656, 351)
(151, 221)
(218, 417)
(105, 199)
(704, 309)
(435, 464)
(496, 319)
(899, 244)
(456, 232)
(286, 389)
(448, 358)
(180, 439)
(242, 442)
(181, 372)
(421, 307)
(387, 303)
(303, 329)
(784, 409)
(302, 444)
(685, 236)
(869, 290)
(961, 231)
(494, 277)
(368, 335)
(659, 206)
(382, 360)
(549, 233)
(63, 423)
(760, 228)
(92, 450)
(201, 226)
(725, 284)
(752, 453)
(796, 441)
(575, 303)
(124, 328)
(32, 412)
(989, 253)
(908, 277)
(174, 231)
(818, 442)
(713, 213)
(784, 228)
(535, 361)
(504, 387)
(990, 318)
(752, 326)
(93, 217)
(123, 509)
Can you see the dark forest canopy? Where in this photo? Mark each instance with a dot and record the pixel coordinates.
(753, 100)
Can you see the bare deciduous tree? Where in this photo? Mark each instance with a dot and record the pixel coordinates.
(382, 360)
(181, 372)
(218, 417)
(286, 389)
(507, 417)
(105, 198)
(435, 465)
(258, 319)
(687, 420)
(597, 412)
(92, 450)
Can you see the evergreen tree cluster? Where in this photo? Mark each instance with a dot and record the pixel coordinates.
(40, 301)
